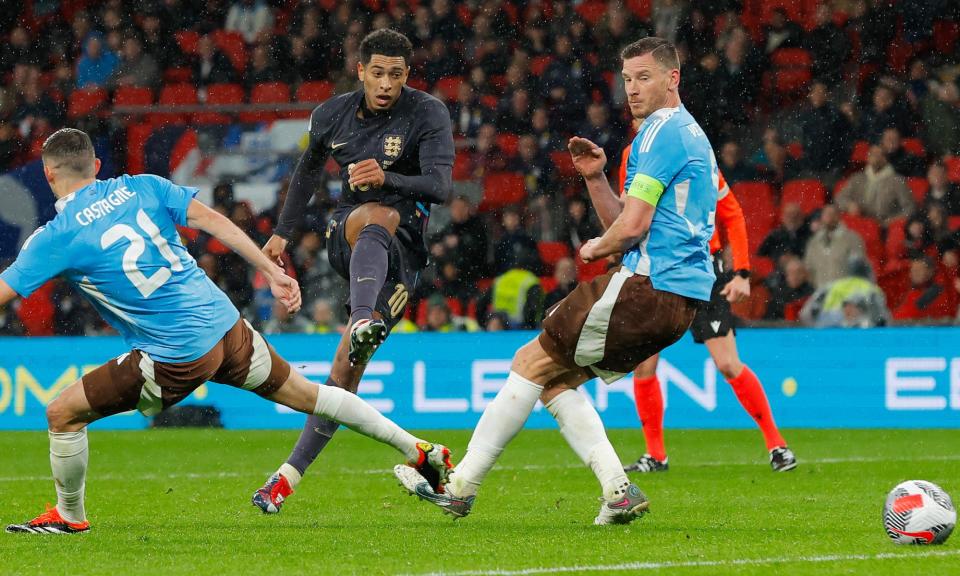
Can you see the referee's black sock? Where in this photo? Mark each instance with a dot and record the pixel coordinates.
(368, 270)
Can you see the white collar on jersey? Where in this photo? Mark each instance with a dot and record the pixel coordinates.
(61, 203)
(661, 112)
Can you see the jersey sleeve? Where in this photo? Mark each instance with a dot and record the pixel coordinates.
(730, 217)
(307, 174)
(41, 258)
(656, 157)
(436, 138)
(175, 198)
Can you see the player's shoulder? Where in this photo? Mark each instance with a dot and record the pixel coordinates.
(335, 105)
(132, 185)
(661, 127)
(421, 101)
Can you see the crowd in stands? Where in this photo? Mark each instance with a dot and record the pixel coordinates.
(841, 117)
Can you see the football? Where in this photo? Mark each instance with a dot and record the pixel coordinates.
(919, 512)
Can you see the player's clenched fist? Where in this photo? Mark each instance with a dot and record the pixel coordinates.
(274, 248)
(588, 250)
(588, 158)
(366, 173)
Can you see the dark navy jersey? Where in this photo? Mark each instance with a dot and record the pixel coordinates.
(413, 142)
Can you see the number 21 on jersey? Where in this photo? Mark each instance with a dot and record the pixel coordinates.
(117, 233)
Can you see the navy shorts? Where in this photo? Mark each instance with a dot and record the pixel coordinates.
(401, 275)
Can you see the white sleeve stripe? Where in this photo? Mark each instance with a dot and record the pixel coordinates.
(723, 192)
(654, 130)
(31, 237)
(650, 134)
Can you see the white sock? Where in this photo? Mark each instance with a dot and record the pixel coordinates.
(500, 422)
(348, 409)
(583, 430)
(292, 475)
(68, 460)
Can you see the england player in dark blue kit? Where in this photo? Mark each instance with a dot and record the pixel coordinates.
(394, 146)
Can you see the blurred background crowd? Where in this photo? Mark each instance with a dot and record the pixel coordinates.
(836, 123)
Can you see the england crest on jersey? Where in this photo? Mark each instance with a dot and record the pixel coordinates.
(392, 145)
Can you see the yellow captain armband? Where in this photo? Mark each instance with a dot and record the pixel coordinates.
(646, 188)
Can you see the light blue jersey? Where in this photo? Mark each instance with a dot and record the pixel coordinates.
(672, 166)
(116, 241)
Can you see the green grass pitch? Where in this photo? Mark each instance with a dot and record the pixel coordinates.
(178, 502)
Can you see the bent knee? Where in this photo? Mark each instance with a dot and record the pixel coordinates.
(386, 216)
(58, 417)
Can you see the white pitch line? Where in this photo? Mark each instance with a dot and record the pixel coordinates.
(525, 468)
(697, 564)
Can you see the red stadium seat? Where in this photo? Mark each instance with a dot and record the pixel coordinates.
(759, 210)
(266, 93)
(945, 34)
(502, 189)
(859, 153)
(187, 39)
(489, 101)
(233, 47)
(418, 83)
(448, 87)
(791, 58)
(552, 252)
(894, 247)
(592, 11)
(793, 8)
(563, 163)
(795, 150)
(640, 8)
(539, 64)
(588, 271)
(755, 305)
(791, 80)
(174, 95)
(177, 75)
(548, 284)
(914, 146)
(137, 135)
(508, 143)
(220, 94)
(809, 193)
(869, 231)
(919, 187)
(953, 168)
(85, 102)
(314, 91)
(953, 223)
(461, 165)
(899, 53)
(132, 96)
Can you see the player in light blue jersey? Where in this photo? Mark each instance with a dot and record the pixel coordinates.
(117, 242)
(605, 327)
